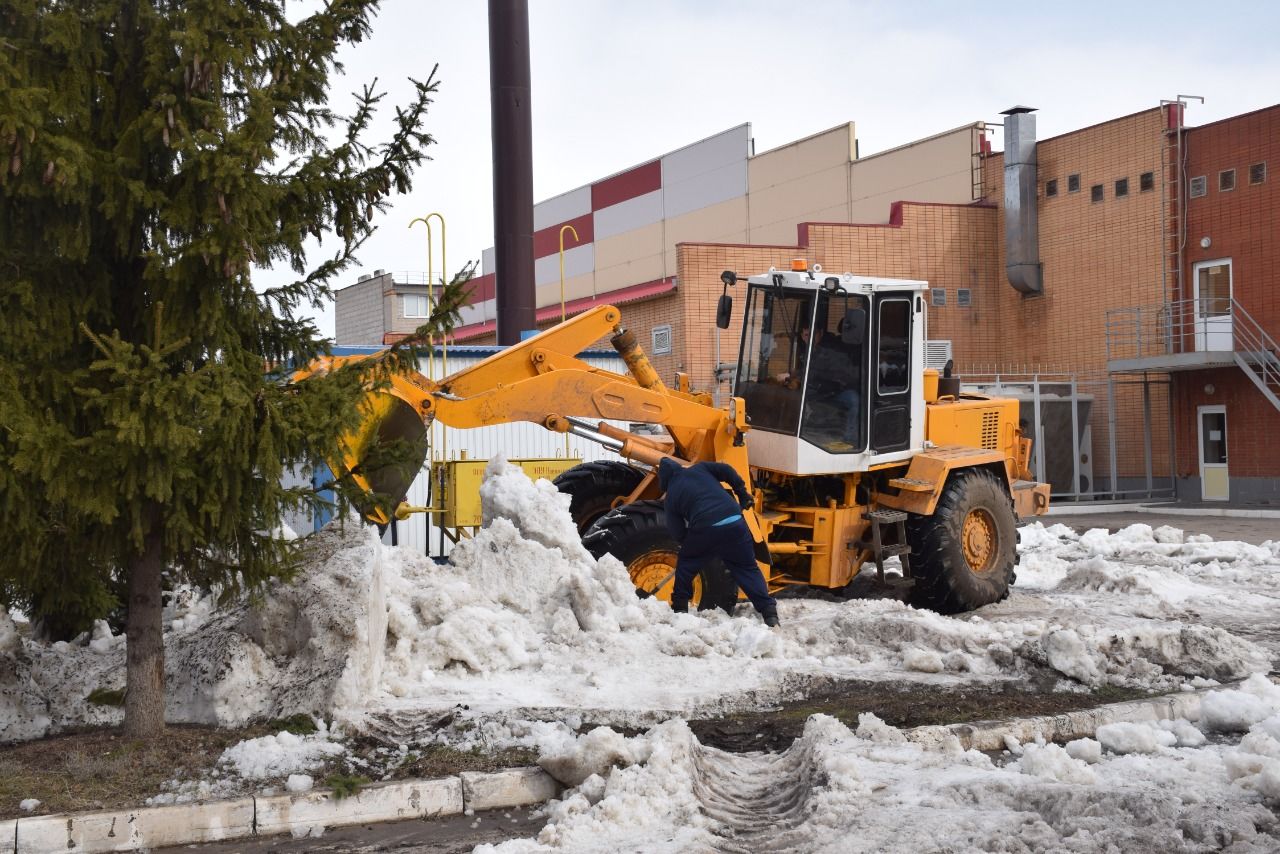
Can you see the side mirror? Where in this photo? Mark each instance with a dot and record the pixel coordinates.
(724, 311)
(854, 328)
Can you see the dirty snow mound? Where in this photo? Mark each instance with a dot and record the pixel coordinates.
(837, 791)
(281, 755)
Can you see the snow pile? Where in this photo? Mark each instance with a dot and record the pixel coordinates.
(280, 755)
(1134, 737)
(1139, 786)
(525, 623)
(839, 791)
(1051, 762)
(1238, 709)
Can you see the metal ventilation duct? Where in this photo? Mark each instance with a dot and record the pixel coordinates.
(1021, 218)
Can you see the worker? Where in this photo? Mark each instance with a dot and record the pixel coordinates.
(708, 524)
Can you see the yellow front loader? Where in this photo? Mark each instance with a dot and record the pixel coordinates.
(854, 451)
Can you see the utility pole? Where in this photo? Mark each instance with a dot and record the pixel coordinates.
(512, 167)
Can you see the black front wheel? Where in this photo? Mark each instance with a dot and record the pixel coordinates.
(963, 556)
(637, 535)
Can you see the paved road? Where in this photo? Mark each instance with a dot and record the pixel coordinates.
(454, 835)
(1253, 531)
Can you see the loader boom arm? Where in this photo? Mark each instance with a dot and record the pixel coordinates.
(541, 380)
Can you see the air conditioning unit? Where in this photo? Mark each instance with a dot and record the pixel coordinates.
(937, 354)
(364, 277)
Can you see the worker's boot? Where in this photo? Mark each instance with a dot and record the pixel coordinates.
(771, 619)
(680, 606)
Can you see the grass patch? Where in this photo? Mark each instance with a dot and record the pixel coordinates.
(98, 769)
(105, 697)
(296, 724)
(345, 785)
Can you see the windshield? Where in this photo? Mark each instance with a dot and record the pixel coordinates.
(835, 389)
(774, 351)
(801, 383)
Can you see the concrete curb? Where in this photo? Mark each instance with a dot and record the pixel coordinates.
(990, 735)
(299, 814)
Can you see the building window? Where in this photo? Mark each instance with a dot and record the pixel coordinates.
(1146, 181)
(1199, 186)
(1095, 193)
(1051, 187)
(1122, 187)
(1257, 173)
(1073, 183)
(416, 305)
(964, 297)
(1226, 180)
(939, 295)
(662, 339)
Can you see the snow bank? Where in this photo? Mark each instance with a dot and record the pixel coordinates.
(525, 624)
(281, 755)
(838, 791)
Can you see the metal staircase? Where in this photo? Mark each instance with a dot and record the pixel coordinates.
(1256, 353)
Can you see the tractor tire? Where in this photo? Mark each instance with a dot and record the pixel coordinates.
(593, 487)
(637, 535)
(963, 556)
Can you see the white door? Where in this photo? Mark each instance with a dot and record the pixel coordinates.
(1213, 305)
(1214, 483)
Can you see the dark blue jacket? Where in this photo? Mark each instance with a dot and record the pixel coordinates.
(695, 498)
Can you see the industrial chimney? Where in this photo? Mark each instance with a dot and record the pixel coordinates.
(1021, 218)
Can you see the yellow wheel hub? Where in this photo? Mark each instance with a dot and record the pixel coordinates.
(979, 538)
(655, 573)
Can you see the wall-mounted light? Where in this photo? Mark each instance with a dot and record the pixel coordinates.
(1205, 243)
(1209, 389)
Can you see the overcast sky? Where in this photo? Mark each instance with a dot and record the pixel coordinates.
(618, 83)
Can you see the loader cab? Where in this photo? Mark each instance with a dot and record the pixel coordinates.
(829, 368)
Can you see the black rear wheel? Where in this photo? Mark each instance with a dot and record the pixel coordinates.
(963, 556)
(637, 535)
(593, 487)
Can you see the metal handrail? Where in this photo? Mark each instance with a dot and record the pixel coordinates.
(1179, 327)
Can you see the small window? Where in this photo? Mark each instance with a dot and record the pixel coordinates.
(662, 340)
(1146, 181)
(1095, 193)
(1257, 173)
(894, 376)
(939, 295)
(1073, 183)
(1051, 187)
(964, 297)
(416, 306)
(1199, 186)
(1122, 187)
(1226, 180)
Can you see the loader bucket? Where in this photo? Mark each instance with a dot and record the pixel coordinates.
(384, 454)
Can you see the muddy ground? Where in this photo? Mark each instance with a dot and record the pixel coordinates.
(900, 706)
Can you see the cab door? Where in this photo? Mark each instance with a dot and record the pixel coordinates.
(890, 373)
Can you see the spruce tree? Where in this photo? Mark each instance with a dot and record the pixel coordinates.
(152, 154)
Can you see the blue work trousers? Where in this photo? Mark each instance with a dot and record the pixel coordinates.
(733, 545)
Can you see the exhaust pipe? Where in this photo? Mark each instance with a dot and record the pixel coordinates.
(1021, 217)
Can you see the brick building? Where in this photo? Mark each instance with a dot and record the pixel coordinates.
(1123, 275)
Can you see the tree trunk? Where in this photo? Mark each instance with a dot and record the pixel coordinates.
(144, 631)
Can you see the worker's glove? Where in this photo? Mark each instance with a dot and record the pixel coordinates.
(747, 503)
